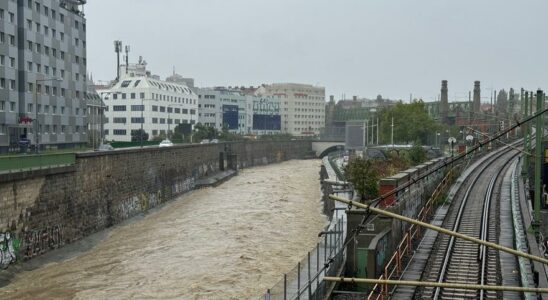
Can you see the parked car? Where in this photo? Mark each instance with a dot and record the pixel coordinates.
(105, 147)
(214, 141)
(204, 142)
(165, 143)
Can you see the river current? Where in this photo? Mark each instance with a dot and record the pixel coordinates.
(229, 242)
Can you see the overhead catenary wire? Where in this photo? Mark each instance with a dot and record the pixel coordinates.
(439, 229)
(458, 157)
(499, 141)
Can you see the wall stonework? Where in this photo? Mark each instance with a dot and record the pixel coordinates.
(106, 188)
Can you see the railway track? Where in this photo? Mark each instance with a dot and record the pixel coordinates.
(474, 212)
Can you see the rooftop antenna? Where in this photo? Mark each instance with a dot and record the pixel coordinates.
(118, 49)
(127, 58)
(173, 70)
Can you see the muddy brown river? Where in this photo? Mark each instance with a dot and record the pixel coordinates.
(229, 242)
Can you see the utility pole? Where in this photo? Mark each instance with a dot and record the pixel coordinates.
(127, 58)
(365, 134)
(377, 130)
(539, 132)
(392, 139)
(525, 166)
(117, 49)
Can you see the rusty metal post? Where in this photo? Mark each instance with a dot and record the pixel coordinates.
(285, 286)
(298, 280)
(309, 278)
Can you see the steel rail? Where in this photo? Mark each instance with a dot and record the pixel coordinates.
(439, 229)
(456, 227)
(437, 284)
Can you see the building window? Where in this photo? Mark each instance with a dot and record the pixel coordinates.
(138, 120)
(12, 62)
(162, 109)
(119, 132)
(12, 106)
(154, 120)
(119, 108)
(12, 84)
(123, 95)
(2, 105)
(119, 120)
(154, 108)
(137, 108)
(12, 40)
(142, 95)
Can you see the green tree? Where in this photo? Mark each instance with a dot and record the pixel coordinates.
(411, 123)
(364, 178)
(138, 135)
(417, 155)
(202, 132)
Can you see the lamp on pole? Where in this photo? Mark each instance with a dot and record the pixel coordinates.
(36, 132)
(451, 141)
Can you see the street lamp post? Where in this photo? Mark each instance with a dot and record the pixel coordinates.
(36, 132)
(451, 141)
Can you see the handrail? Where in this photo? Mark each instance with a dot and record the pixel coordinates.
(404, 247)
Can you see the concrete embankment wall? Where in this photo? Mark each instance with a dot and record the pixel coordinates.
(43, 211)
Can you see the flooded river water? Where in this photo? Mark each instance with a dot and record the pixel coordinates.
(229, 242)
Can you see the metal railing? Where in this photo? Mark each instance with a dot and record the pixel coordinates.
(20, 163)
(405, 248)
(305, 281)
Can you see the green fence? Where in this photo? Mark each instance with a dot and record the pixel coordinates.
(35, 162)
(133, 144)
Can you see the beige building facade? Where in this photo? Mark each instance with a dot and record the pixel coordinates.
(302, 107)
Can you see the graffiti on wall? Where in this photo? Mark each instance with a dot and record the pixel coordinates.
(129, 207)
(183, 186)
(39, 241)
(382, 248)
(9, 246)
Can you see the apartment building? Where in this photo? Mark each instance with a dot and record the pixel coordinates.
(42, 73)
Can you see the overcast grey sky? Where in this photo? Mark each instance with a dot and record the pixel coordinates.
(356, 47)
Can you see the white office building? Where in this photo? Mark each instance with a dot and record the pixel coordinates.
(239, 112)
(302, 107)
(145, 102)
